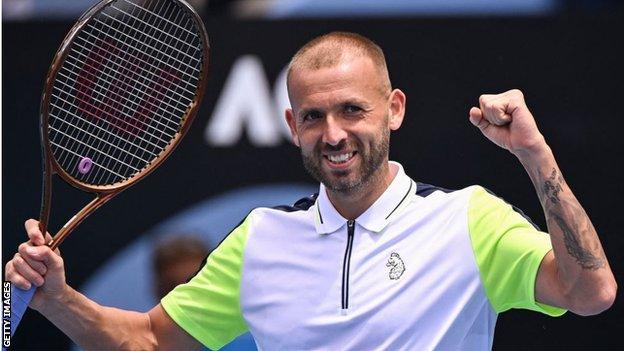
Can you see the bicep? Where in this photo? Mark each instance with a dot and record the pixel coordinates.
(169, 335)
(548, 289)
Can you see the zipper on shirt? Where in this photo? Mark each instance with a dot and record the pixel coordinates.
(346, 264)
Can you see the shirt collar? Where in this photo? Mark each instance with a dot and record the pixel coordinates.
(399, 193)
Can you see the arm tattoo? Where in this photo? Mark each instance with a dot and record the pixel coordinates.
(552, 186)
(584, 257)
(573, 233)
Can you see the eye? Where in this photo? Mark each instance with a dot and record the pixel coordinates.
(351, 109)
(311, 116)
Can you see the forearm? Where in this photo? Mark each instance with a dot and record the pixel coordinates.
(95, 327)
(582, 267)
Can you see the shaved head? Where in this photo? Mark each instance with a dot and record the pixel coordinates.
(334, 48)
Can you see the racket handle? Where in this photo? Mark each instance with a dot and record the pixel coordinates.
(19, 304)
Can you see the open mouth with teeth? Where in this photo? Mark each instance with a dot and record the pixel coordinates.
(340, 158)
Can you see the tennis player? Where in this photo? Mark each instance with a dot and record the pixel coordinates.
(376, 260)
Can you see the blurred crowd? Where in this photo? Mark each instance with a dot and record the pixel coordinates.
(278, 9)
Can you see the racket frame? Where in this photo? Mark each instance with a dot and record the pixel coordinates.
(103, 192)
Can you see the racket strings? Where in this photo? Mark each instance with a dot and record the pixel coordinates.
(110, 134)
(105, 107)
(123, 162)
(88, 80)
(122, 93)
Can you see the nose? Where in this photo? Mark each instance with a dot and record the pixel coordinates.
(334, 132)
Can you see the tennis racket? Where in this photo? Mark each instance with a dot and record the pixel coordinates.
(120, 94)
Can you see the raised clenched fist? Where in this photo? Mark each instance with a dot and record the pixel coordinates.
(506, 120)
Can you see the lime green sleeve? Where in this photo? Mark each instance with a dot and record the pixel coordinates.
(208, 306)
(509, 251)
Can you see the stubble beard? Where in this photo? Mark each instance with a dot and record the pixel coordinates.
(366, 173)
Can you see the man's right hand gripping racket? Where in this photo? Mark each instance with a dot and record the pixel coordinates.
(120, 94)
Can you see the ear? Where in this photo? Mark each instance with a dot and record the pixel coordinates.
(292, 124)
(396, 109)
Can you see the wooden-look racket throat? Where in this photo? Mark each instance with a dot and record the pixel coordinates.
(101, 198)
(73, 222)
(121, 92)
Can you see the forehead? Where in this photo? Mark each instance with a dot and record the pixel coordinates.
(353, 79)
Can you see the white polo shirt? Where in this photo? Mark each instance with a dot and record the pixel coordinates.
(422, 269)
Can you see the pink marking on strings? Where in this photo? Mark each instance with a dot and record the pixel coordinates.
(84, 166)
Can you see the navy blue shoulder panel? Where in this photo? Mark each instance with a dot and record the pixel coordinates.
(424, 190)
(302, 204)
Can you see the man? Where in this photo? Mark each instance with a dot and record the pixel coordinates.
(376, 261)
(175, 261)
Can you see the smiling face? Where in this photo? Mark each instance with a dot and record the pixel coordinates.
(341, 119)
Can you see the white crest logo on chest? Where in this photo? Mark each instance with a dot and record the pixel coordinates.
(398, 267)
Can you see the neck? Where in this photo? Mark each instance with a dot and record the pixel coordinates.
(352, 204)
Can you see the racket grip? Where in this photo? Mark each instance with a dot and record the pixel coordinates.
(19, 304)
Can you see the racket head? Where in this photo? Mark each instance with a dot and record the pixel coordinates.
(127, 80)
